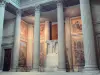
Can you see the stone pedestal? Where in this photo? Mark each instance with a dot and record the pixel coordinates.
(51, 64)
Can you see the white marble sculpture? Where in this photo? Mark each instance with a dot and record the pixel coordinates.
(52, 56)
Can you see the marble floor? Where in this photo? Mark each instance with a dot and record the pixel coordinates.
(49, 73)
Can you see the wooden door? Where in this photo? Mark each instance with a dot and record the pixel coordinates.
(7, 60)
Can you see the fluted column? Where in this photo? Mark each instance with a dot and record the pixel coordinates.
(2, 11)
(36, 51)
(61, 36)
(88, 36)
(16, 42)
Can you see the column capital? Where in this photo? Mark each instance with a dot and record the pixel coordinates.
(59, 2)
(37, 8)
(18, 12)
(84, 1)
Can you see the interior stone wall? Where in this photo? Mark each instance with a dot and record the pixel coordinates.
(95, 8)
(8, 36)
(8, 32)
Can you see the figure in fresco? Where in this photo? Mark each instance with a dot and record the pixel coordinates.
(77, 27)
(24, 31)
(22, 55)
(42, 28)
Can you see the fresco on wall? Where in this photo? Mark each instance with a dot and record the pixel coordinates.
(78, 53)
(24, 31)
(76, 25)
(22, 55)
(41, 69)
(77, 43)
(23, 46)
(42, 29)
(42, 41)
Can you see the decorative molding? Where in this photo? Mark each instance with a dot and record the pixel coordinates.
(97, 22)
(9, 36)
(7, 44)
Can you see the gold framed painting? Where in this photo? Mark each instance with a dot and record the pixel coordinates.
(76, 25)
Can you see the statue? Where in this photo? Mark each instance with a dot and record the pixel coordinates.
(51, 63)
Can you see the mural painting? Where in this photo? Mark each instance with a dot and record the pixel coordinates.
(78, 53)
(42, 38)
(76, 25)
(22, 55)
(23, 46)
(42, 29)
(77, 43)
(24, 31)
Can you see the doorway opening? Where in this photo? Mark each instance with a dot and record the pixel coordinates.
(7, 59)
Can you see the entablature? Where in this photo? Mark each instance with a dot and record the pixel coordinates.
(15, 3)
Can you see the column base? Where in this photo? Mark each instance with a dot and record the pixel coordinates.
(13, 70)
(91, 69)
(61, 70)
(50, 69)
(35, 70)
